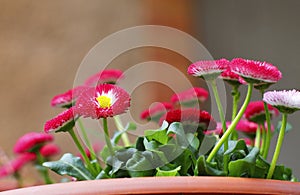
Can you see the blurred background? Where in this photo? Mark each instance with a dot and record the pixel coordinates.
(43, 43)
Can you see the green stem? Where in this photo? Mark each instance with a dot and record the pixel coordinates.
(85, 137)
(19, 179)
(43, 171)
(263, 139)
(269, 135)
(82, 152)
(257, 137)
(89, 145)
(278, 146)
(107, 138)
(233, 124)
(222, 118)
(120, 128)
(235, 100)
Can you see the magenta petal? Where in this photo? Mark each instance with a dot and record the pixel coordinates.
(157, 110)
(255, 71)
(195, 93)
(62, 122)
(30, 140)
(49, 150)
(87, 105)
(68, 98)
(105, 76)
(16, 164)
(210, 68)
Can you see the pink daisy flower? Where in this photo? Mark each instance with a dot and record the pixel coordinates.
(248, 141)
(217, 131)
(255, 112)
(190, 116)
(65, 100)
(246, 127)
(16, 164)
(190, 96)
(96, 147)
(232, 78)
(110, 76)
(106, 100)
(30, 140)
(49, 150)
(156, 111)
(286, 101)
(262, 74)
(209, 69)
(62, 122)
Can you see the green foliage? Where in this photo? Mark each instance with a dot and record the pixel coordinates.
(70, 165)
(171, 151)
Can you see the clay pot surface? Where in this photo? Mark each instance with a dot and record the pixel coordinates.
(166, 185)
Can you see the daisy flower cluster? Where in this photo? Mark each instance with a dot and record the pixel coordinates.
(188, 140)
(35, 148)
(182, 123)
(253, 118)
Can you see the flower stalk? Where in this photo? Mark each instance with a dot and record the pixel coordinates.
(82, 152)
(107, 137)
(222, 118)
(232, 125)
(278, 146)
(120, 128)
(268, 133)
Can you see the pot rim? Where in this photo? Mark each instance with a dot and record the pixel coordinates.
(161, 185)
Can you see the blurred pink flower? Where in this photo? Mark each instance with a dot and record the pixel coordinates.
(156, 111)
(193, 116)
(192, 94)
(49, 150)
(16, 164)
(30, 140)
(255, 112)
(65, 100)
(110, 76)
(209, 69)
(246, 127)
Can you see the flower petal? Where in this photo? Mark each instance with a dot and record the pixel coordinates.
(286, 101)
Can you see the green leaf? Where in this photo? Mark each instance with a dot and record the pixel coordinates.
(178, 130)
(118, 134)
(168, 173)
(118, 161)
(207, 169)
(208, 142)
(150, 145)
(193, 141)
(164, 125)
(245, 167)
(139, 165)
(287, 128)
(159, 135)
(70, 165)
(185, 160)
(236, 146)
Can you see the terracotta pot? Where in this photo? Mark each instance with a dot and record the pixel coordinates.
(166, 185)
(8, 185)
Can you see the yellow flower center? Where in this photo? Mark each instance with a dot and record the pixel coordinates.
(104, 101)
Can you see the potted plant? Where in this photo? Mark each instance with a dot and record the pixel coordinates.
(189, 152)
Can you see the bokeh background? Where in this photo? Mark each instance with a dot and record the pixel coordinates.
(42, 44)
